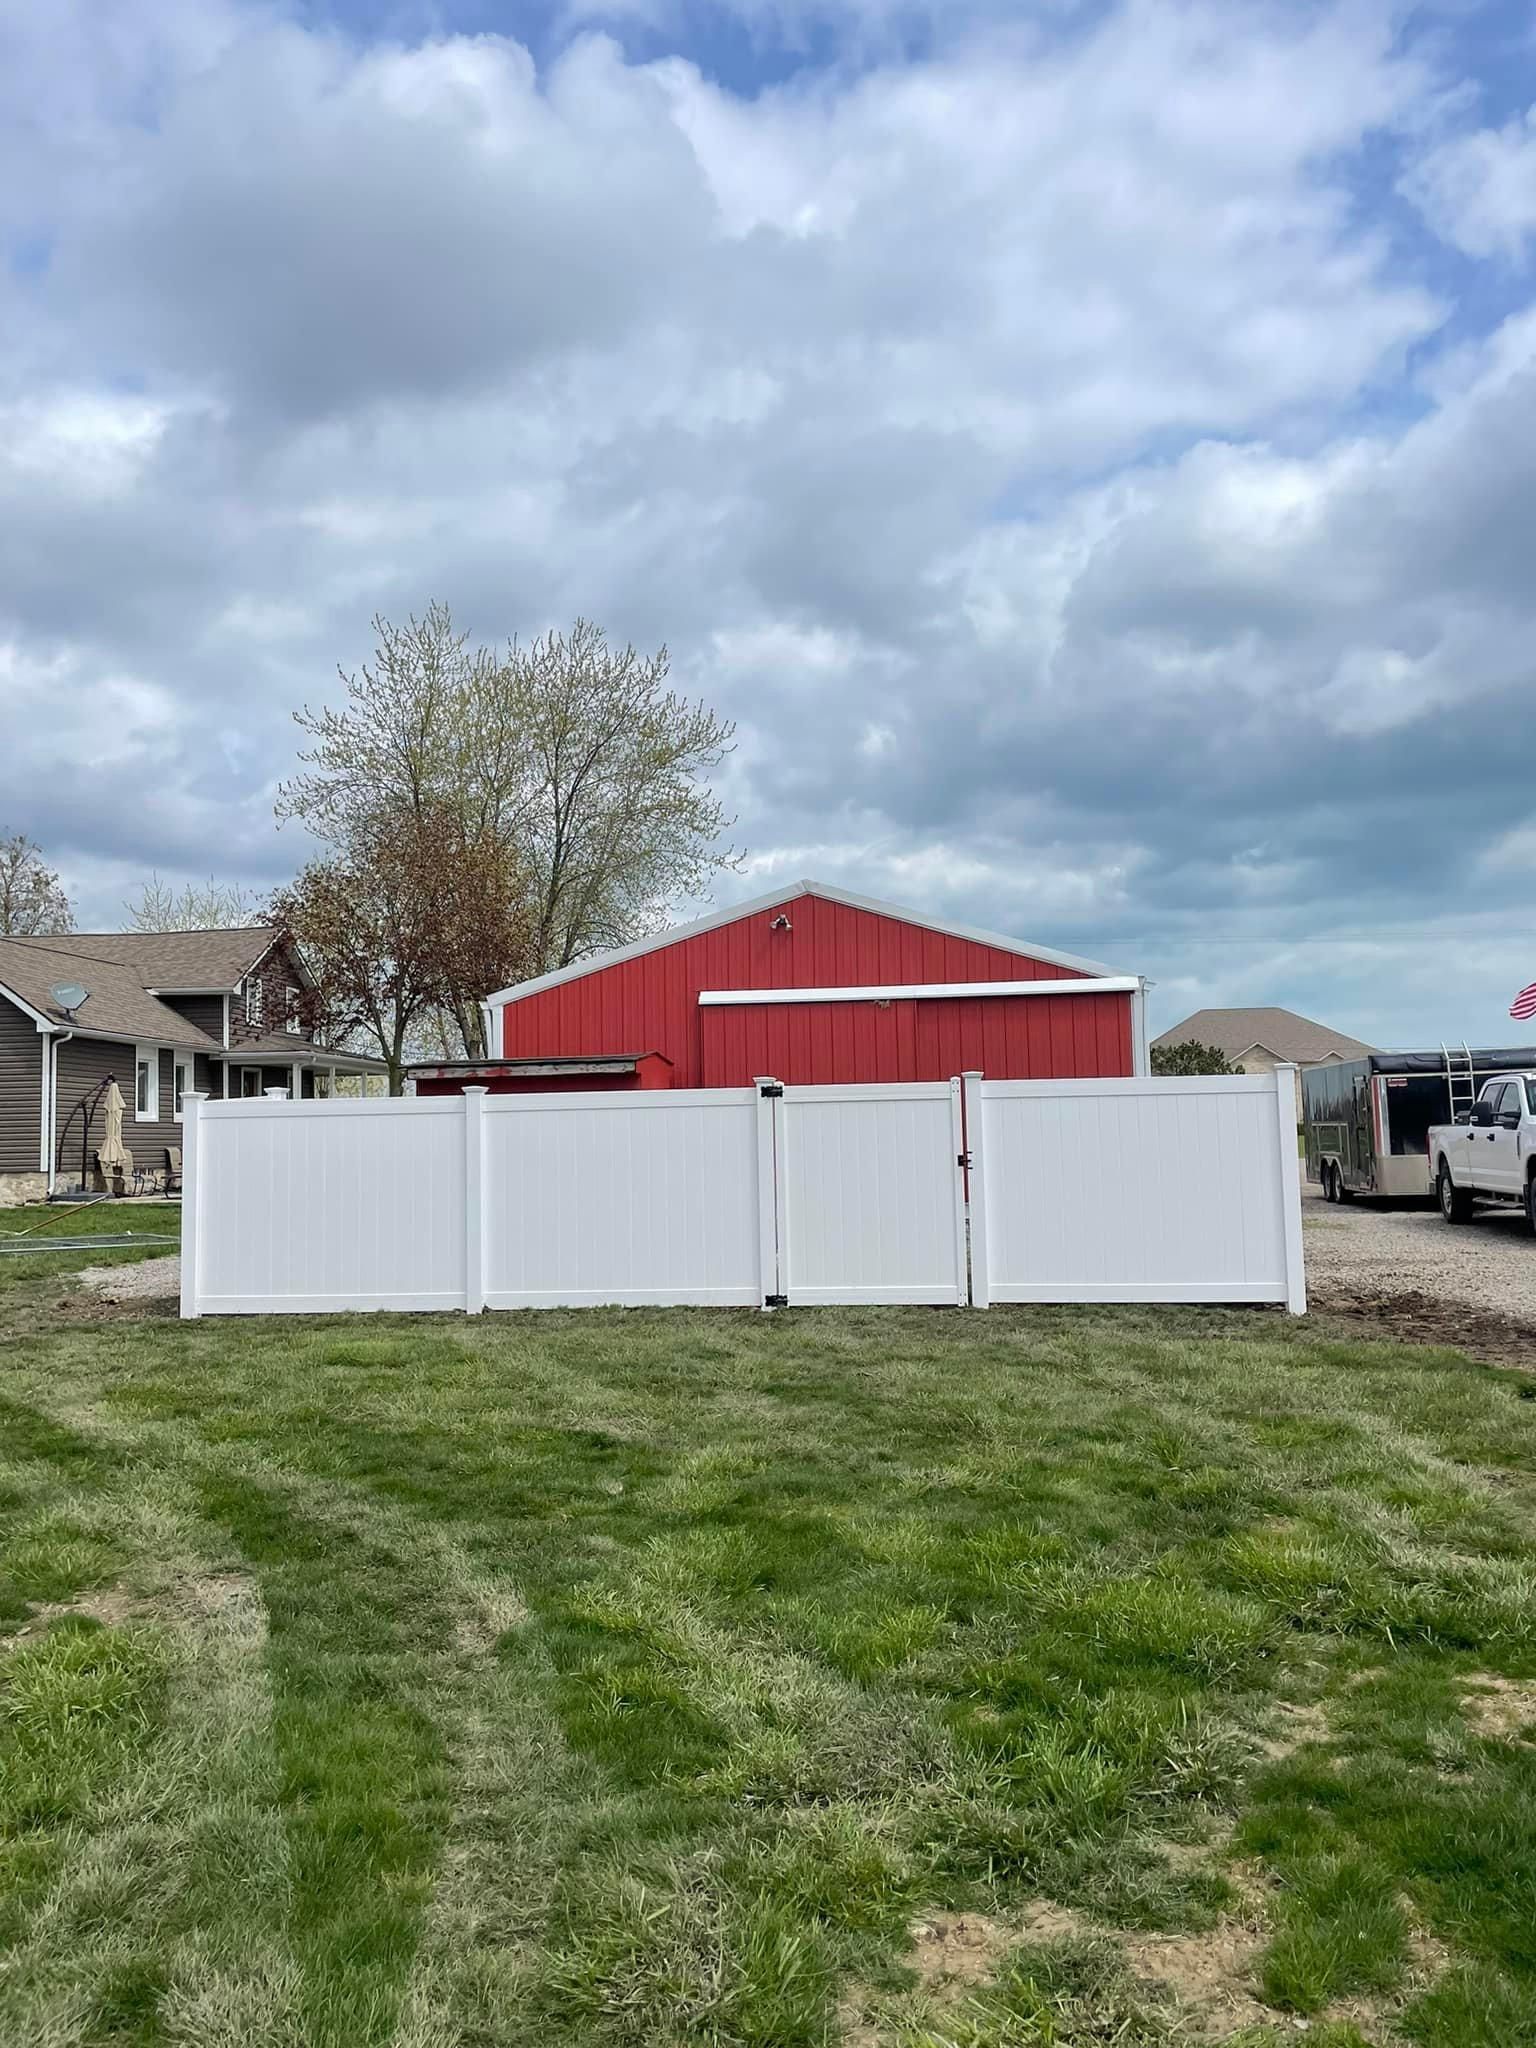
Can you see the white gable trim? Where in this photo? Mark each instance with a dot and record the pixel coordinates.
(716, 918)
(43, 1023)
(1080, 985)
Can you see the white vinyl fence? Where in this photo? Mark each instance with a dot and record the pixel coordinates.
(938, 1192)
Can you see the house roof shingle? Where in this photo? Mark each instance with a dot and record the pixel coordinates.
(120, 968)
(119, 1005)
(175, 961)
(1281, 1032)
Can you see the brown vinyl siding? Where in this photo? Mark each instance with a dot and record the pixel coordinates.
(21, 1090)
(84, 1063)
(206, 1012)
(271, 1076)
(277, 974)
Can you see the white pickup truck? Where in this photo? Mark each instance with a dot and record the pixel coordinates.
(1489, 1153)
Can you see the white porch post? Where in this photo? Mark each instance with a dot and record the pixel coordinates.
(474, 1200)
(191, 1200)
(1290, 1190)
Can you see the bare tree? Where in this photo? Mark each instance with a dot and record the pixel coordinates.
(572, 758)
(412, 912)
(199, 907)
(32, 899)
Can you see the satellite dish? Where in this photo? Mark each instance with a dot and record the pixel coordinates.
(69, 995)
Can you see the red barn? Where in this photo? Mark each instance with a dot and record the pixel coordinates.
(810, 985)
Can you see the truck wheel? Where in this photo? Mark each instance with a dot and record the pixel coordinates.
(1530, 1201)
(1455, 1202)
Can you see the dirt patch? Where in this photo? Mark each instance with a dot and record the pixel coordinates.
(1504, 1708)
(965, 1948)
(1414, 1317)
(1209, 1977)
(109, 1605)
(1295, 1724)
(144, 1280)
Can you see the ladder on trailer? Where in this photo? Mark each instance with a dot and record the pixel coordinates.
(1459, 1076)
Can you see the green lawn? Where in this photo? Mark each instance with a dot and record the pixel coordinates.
(39, 1223)
(890, 1676)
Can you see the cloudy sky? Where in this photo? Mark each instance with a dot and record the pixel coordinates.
(1089, 448)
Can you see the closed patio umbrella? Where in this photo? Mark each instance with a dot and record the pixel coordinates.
(112, 1153)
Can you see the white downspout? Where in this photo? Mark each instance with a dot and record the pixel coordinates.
(58, 1038)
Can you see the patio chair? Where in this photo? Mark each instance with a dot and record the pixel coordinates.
(173, 1169)
(114, 1175)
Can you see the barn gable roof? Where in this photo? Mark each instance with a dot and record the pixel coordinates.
(714, 919)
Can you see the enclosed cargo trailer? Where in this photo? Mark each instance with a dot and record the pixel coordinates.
(1366, 1122)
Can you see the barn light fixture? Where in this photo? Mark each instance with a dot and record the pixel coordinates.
(781, 923)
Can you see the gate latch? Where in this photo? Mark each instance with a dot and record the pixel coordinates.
(964, 1159)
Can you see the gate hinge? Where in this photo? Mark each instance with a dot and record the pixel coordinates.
(775, 1301)
(963, 1159)
(773, 1088)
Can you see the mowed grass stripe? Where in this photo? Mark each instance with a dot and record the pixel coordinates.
(639, 1678)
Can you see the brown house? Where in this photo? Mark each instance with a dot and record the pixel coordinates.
(163, 1013)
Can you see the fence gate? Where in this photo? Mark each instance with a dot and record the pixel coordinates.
(869, 1193)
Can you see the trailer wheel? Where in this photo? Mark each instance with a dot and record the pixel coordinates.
(1330, 1183)
(1455, 1202)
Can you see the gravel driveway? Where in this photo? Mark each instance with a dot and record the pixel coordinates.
(1404, 1268)
(148, 1280)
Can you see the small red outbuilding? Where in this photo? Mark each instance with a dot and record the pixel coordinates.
(811, 985)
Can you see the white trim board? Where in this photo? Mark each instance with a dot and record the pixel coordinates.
(714, 919)
(43, 1023)
(1100, 985)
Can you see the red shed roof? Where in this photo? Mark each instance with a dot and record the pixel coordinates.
(595, 962)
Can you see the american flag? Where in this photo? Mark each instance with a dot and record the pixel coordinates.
(1524, 1004)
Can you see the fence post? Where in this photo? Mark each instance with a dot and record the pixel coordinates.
(474, 1201)
(770, 1097)
(191, 1196)
(976, 1176)
(959, 1189)
(1290, 1191)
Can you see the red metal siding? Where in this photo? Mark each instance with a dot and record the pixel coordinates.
(1016, 1038)
(653, 1000)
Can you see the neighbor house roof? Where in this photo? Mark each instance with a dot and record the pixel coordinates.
(273, 1046)
(790, 893)
(1280, 1032)
(179, 962)
(119, 1005)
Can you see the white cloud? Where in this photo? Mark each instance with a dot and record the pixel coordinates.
(1478, 190)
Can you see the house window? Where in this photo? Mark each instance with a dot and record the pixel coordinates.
(292, 1022)
(255, 1004)
(146, 1083)
(250, 1081)
(323, 1078)
(182, 1085)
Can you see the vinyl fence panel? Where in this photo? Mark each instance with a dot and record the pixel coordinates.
(312, 1206)
(1147, 1189)
(871, 1202)
(633, 1199)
